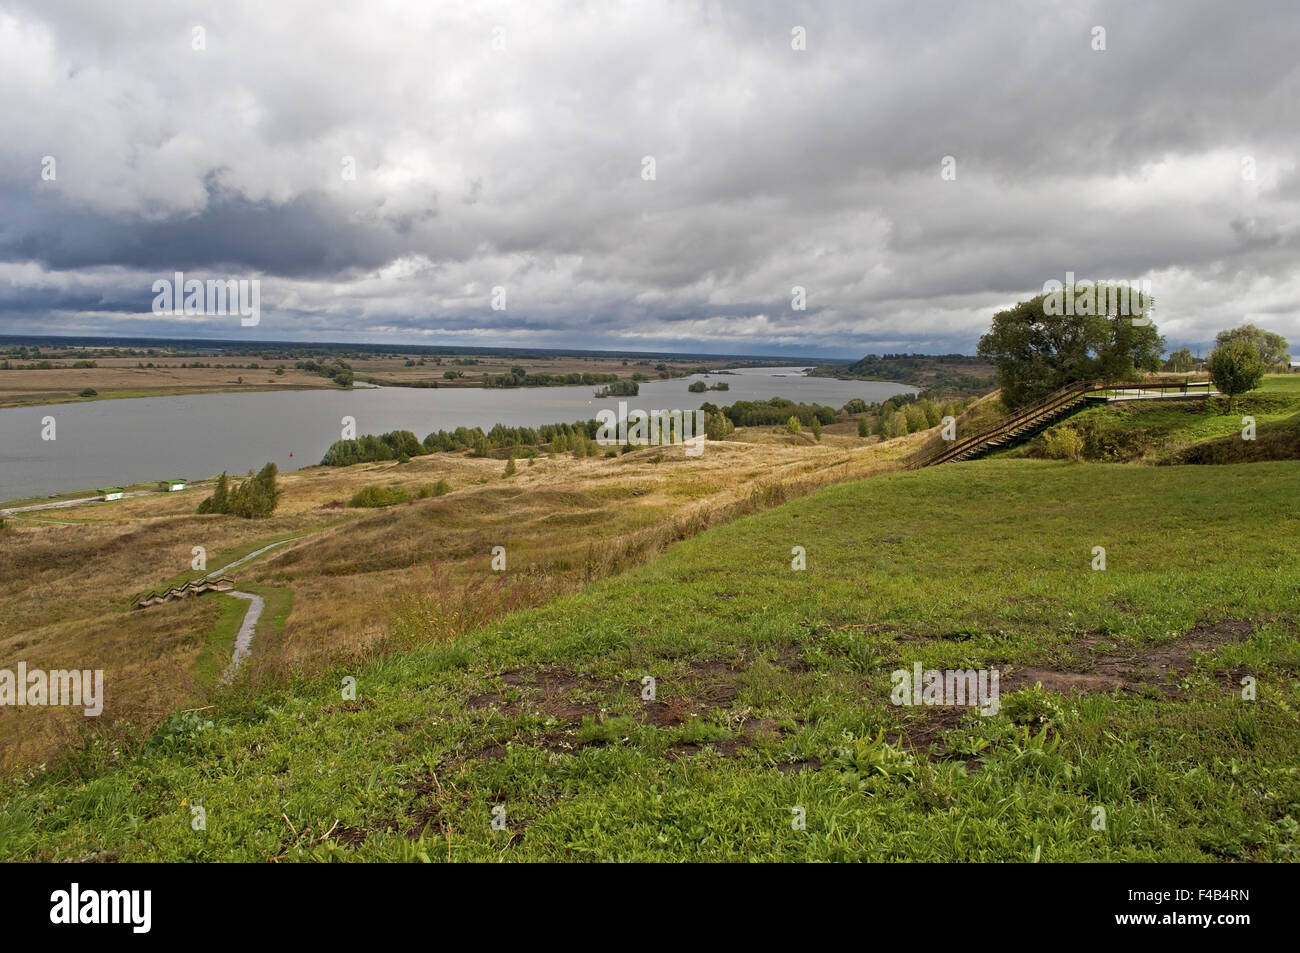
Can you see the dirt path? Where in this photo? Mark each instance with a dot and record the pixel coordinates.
(251, 556)
(82, 501)
(244, 640)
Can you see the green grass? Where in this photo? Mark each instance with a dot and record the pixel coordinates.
(1281, 383)
(220, 643)
(772, 693)
(1179, 431)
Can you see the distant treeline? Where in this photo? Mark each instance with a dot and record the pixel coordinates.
(777, 410)
(336, 370)
(948, 374)
(518, 377)
(401, 445)
(44, 365)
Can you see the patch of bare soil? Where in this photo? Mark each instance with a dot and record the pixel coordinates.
(929, 724)
(1149, 667)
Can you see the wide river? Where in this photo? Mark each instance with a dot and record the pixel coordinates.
(119, 442)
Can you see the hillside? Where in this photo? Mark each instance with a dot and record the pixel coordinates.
(773, 698)
(1172, 431)
(954, 375)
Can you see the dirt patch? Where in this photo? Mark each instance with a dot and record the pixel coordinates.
(929, 724)
(351, 837)
(548, 691)
(1149, 667)
(803, 764)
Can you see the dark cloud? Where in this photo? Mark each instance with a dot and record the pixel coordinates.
(521, 167)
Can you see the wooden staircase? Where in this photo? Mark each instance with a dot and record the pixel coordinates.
(1027, 421)
(195, 587)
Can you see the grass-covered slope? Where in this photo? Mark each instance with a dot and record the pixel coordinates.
(773, 694)
(1174, 431)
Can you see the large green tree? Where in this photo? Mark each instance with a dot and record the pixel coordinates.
(1236, 367)
(1037, 351)
(1272, 347)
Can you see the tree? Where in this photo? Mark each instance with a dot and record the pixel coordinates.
(1037, 352)
(218, 502)
(864, 429)
(1272, 347)
(792, 425)
(1181, 361)
(254, 498)
(1236, 367)
(511, 469)
(817, 429)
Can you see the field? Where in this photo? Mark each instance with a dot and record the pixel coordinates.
(685, 658)
(772, 700)
(161, 375)
(68, 577)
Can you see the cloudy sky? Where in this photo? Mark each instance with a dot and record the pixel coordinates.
(506, 145)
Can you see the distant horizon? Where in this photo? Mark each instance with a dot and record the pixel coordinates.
(100, 340)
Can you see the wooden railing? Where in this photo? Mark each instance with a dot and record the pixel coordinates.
(1048, 408)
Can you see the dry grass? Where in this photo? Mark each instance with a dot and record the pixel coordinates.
(120, 377)
(66, 590)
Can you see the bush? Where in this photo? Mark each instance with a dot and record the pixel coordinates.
(1063, 443)
(792, 425)
(864, 429)
(433, 489)
(369, 496)
(87, 392)
(817, 429)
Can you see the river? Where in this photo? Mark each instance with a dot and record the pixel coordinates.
(133, 440)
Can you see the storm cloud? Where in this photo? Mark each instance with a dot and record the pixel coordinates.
(382, 167)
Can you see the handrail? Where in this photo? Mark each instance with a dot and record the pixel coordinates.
(1053, 401)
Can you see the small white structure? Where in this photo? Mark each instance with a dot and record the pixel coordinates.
(174, 485)
(113, 493)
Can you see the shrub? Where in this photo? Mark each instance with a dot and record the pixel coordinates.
(87, 392)
(864, 429)
(792, 425)
(1063, 443)
(817, 429)
(433, 489)
(370, 496)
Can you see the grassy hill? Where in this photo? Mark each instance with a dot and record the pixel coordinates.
(773, 697)
(1180, 431)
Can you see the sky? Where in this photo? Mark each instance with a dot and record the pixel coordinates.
(646, 176)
